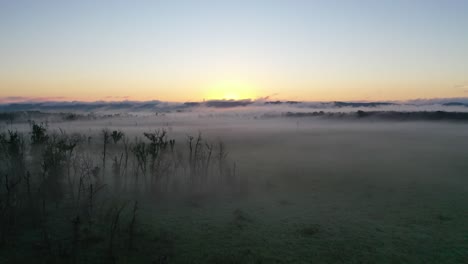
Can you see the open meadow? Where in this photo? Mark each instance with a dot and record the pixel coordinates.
(201, 189)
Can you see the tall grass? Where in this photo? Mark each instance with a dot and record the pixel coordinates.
(57, 184)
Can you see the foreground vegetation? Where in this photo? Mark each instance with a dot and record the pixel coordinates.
(76, 198)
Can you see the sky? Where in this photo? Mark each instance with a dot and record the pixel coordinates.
(195, 50)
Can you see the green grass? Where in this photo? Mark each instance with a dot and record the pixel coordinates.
(337, 193)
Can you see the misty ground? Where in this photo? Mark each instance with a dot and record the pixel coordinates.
(315, 191)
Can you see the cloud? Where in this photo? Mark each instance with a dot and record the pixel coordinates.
(266, 98)
(463, 87)
(117, 97)
(29, 99)
(111, 103)
(432, 101)
(228, 103)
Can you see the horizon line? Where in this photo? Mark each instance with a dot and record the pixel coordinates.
(24, 100)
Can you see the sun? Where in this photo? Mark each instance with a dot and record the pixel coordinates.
(230, 90)
(231, 96)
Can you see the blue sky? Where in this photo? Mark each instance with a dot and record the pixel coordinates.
(189, 50)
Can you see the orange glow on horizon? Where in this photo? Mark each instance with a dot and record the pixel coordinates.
(230, 90)
(66, 88)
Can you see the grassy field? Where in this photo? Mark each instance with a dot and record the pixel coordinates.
(293, 191)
